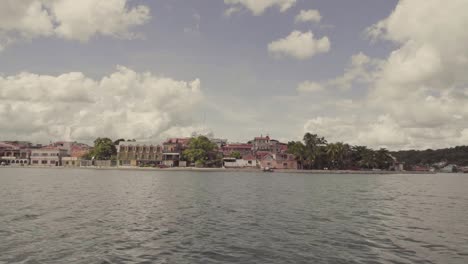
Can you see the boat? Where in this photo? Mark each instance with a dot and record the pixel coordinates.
(267, 169)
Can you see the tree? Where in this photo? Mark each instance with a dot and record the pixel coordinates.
(383, 159)
(297, 148)
(337, 153)
(199, 150)
(236, 154)
(314, 150)
(104, 149)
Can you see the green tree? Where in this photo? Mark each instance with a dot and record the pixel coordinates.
(383, 159)
(297, 148)
(315, 150)
(337, 154)
(104, 149)
(199, 151)
(236, 154)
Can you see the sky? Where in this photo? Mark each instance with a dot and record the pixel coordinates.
(381, 73)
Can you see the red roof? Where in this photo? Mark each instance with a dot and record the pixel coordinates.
(249, 157)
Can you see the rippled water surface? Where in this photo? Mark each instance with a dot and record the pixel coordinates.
(105, 216)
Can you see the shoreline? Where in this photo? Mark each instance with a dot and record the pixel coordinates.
(244, 170)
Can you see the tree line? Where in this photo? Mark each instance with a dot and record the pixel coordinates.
(315, 152)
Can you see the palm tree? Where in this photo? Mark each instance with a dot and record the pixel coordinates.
(314, 146)
(383, 158)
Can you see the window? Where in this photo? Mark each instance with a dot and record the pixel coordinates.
(43, 161)
(285, 165)
(250, 162)
(35, 162)
(45, 154)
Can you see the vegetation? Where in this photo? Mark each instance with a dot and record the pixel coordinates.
(202, 152)
(104, 149)
(316, 153)
(456, 155)
(236, 154)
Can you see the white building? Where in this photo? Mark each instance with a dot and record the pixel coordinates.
(248, 161)
(47, 156)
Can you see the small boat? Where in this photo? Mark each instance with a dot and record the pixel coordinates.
(267, 169)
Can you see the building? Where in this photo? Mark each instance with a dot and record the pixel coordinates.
(14, 153)
(74, 149)
(48, 156)
(172, 152)
(247, 161)
(279, 161)
(243, 149)
(139, 154)
(267, 144)
(71, 161)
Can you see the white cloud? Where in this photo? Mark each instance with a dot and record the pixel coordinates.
(299, 45)
(311, 15)
(308, 86)
(69, 19)
(361, 70)
(72, 106)
(417, 96)
(257, 7)
(421, 82)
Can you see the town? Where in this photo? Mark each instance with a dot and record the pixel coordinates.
(262, 152)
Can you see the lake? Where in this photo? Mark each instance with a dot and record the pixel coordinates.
(112, 216)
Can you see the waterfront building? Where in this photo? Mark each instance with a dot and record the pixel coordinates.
(278, 161)
(131, 153)
(242, 148)
(14, 153)
(247, 161)
(172, 152)
(267, 144)
(74, 149)
(48, 156)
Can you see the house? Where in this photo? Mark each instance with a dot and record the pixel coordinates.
(139, 153)
(242, 148)
(267, 144)
(278, 161)
(172, 152)
(14, 153)
(247, 161)
(48, 156)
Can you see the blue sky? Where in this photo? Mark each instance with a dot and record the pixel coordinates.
(246, 88)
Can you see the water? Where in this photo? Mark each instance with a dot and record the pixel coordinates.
(104, 216)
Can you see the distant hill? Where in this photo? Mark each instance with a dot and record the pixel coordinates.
(456, 155)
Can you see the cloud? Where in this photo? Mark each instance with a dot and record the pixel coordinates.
(422, 83)
(308, 86)
(361, 70)
(123, 104)
(417, 97)
(68, 19)
(299, 45)
(311, 15)
(257, 7)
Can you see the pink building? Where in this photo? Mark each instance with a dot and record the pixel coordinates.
(278, 161)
